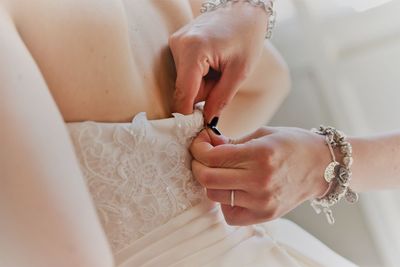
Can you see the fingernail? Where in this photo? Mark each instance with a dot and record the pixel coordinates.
(213, 122)
(215, 130)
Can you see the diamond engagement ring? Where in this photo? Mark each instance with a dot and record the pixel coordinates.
(232, 198)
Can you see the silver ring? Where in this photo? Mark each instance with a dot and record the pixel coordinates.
(232, 198)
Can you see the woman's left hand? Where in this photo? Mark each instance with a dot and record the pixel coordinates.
(271, 170)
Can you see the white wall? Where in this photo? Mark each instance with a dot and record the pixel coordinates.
(346, 72)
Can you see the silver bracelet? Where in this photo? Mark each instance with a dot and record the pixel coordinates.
(337, 175)
(211, 5)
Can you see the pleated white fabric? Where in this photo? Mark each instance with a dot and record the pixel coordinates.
(201, 237)
(155, 214)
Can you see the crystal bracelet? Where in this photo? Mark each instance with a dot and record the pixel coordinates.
(337, 175)
(211, 5)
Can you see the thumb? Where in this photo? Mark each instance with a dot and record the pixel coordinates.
(201, 146)
(224, 91)
(206, 140)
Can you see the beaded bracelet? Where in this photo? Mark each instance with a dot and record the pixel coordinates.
(211, 5)
(337, 175)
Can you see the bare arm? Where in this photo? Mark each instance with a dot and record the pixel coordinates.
(376, 162)
(277, 168)
(47, 217)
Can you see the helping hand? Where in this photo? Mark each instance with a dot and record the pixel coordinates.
(272, 171)
(227, 41)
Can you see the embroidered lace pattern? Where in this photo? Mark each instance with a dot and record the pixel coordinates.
(139, 177)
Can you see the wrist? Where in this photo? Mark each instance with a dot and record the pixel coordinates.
(338, 173)
(358, 168)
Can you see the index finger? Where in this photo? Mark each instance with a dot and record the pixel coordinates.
(224, 91)
(190, 73)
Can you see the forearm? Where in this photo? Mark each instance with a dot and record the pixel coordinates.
(376, 162)
(46, 212)
(46, 215)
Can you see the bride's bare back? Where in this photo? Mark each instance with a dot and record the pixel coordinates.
(103, 60)
(108, 60)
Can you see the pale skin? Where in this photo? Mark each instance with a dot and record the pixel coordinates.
(68, 61)
(232, 57)
(275, 169)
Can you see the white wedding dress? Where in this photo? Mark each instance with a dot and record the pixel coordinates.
(155, 214)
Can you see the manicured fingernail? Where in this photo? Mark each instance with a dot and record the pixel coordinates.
(215, 130)
(213, 122)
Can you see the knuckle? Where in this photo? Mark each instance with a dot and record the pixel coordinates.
(187, 43)
(264, 159)
(271, 214)
(262, 183)
(259, 183)
(172, 40)
(261, 131)
(192, 39)
(264, 153)
(264, 202)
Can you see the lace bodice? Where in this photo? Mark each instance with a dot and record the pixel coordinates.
(138, 173)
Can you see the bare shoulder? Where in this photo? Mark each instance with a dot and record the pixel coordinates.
(81, 48)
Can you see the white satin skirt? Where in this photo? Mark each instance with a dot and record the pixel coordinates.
(201, 237)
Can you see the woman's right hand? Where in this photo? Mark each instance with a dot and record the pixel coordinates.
(228, 40)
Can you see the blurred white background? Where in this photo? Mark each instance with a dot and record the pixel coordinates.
(344, 57)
